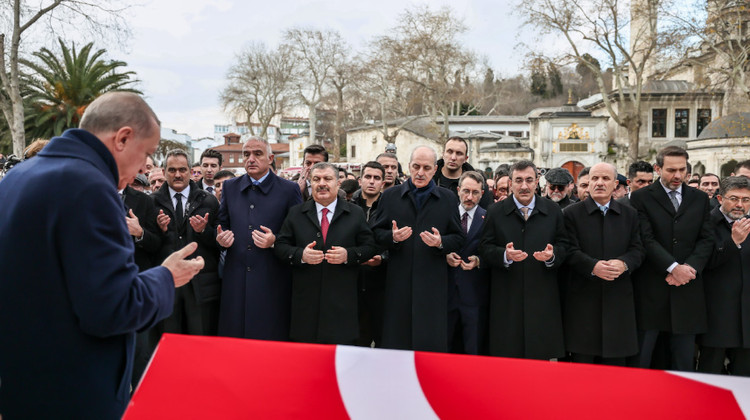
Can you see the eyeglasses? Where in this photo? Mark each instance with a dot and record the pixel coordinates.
(734, 200)
(470, 192)
(554, 187)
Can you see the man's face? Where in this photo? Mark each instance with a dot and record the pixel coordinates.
(137, 186)
(195, 173)
(156, 179)
(709, 185)
(523, 184)
(743, 172)
(342, 177)
(502, 188)
(556, 192)
(309, 161)
(209, 167)
(257, 159)
(218, 185)
(135, 150)
(620, 191)
(583, 187)
(469, 192)
(149, 166)
(642, 179)
(454, 155)
(391, 170)
(422, 167)
(325, 187)
(371, 182)
(736, 203)
(602, 183)
(177, 172)
(674, 171)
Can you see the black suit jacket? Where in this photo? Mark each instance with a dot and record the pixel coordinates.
(206, 284)
(147, 249)
(324, 296)
(669, 236)
(474, 285)
(600, 314)
(727, 289)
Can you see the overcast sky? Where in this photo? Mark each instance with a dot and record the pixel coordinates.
(181, 50)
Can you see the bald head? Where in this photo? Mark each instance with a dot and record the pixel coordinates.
(604, 166)
(602, 182)
(422, 165)
(424, 151)
(115, 110)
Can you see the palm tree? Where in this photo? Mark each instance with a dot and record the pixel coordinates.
(62, 87)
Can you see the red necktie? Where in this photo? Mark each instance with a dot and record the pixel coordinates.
(324, 223)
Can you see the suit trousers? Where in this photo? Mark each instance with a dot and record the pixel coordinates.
(681, 349)
(711, 360)
(190, 317)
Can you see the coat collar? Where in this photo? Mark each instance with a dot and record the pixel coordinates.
(95, 152)
(264, 187)
(592, 206)
(309, 208)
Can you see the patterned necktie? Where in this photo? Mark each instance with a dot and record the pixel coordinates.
(179, 213)
(525, 212)
(465, 222)
(324, 223)
(673, 199)
(210, 189)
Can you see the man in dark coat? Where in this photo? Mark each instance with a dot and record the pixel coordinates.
(559, 184)
(193, 218)
(324, 240)
(469, 288)
(605, 247)
(453, 164)
(728, 283)
(676, 233)
(640, 175)
(256, 288)
(71, 298)
(418, 222)
(523, 244)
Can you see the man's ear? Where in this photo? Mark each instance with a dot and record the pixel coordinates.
(122, 137)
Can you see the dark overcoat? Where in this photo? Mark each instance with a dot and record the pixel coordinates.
(71, 298)
(416, 293)
(324, 296)
(525, 314)
(727, 277)
(256, 288)
(684, 237)
(599, 315)
(147, 249)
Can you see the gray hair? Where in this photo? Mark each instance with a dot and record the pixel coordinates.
(262, 140)
(177, 152)
(476, 176)
(733, 183)
(114, 110)
(434, 153)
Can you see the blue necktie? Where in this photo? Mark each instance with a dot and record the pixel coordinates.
(603, 209)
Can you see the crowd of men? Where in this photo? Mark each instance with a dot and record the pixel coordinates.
(622, 270)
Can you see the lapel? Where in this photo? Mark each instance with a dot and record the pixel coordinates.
(312, 213)
(341, 207)
(660, 196)
(476, 224)
(164, 200)
(689, 194)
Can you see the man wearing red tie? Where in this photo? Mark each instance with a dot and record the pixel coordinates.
(325, 240)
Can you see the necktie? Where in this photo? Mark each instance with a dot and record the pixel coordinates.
(210, 189)
(525, 212)
(179, 213)
(673, 199)
(465, 222)
(324, 223)
(603, 209)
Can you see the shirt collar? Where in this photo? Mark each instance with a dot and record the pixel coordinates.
(263, 178)
(679, 189)
(185, 193)
(462, 210)
(530, 206)
(331, 207)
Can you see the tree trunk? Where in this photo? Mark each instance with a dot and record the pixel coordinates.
(338, 129)
(634, 128)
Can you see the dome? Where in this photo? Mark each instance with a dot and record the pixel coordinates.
(729, 126)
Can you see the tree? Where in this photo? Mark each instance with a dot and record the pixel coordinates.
(713, 37)
(555, 80)
(538, 78)
(315, 53)
(259, 85)
(603, 28)
(62, 87)
(26, 19)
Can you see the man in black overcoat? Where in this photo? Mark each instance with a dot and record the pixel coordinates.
(728, 283)
(676, 233)
(523, 243)
(418, 223)
(605, 247)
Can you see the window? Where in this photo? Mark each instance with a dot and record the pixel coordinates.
(515, 133)
(704, 117)
(354, 151)
(231, 158)
(574, 147)
(681, 122)
(659, 123)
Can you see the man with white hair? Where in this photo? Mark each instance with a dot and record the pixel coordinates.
(418, 223)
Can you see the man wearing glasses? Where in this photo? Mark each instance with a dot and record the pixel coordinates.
(523, 244)
(559, 184)
(728, 284)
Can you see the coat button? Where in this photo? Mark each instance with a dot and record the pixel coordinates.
(250, 227)
(674, 241)
(318, 234)
(248, 269)
(249, 247)
(252, 206)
